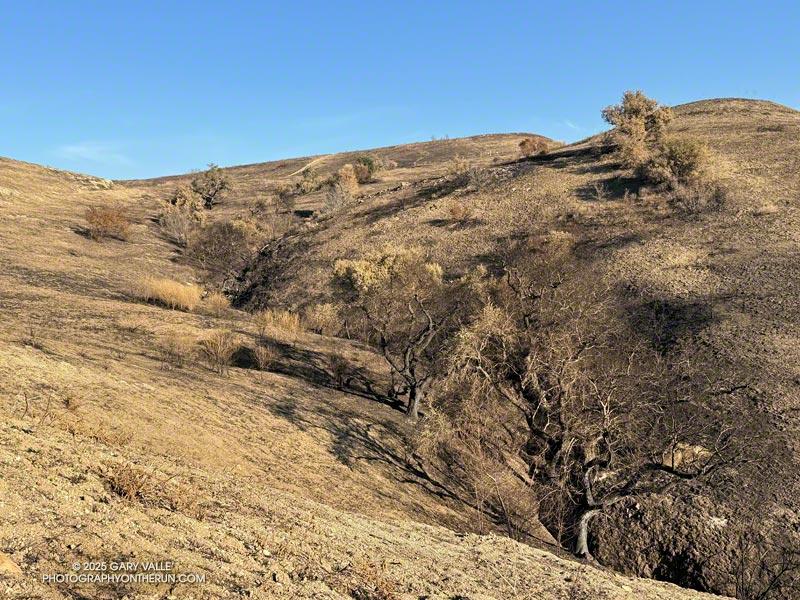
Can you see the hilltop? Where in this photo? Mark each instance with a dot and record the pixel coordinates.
(279, 483)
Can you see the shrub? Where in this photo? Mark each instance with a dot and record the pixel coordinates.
(216, 304)
(182, 215)
(131, 483)
(677, 159)
(280, 321)
(459, 168)
(217, 349)
(107, 222)
(178, 224)
(135, 484)
(211, 185)
(362, 173)
(346, 177)
(532, 147)
(366, 167)
(340, 369)
(638, 123)
(322, 318)
(170, 293)
(311, 181)
(187, 198)
(268, 218)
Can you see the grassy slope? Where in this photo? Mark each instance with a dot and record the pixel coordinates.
(276, 459)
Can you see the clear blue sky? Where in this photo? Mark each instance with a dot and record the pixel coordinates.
(141, 88)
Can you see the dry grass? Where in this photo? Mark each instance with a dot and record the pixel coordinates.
(174, 349)
(217, 349)
(322, 318)
(266, 357)
(282, 323)
(370, 581)
(171, 294)
(216, 304)
(107, 222)
(131, 483)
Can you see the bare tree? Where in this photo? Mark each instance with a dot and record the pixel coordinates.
(583, 402)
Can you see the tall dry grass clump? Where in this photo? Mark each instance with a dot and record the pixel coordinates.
(216, 304)
(107, 222)
(169, 293)
(282, 323)
(265, 356)
(174, 349)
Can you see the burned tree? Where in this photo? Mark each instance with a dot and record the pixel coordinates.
(404, 305)
(593, 412)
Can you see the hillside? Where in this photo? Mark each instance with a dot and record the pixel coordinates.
(277, 483)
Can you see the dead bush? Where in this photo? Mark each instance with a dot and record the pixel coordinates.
(171, 294)
(322, 318)
(370, 581)
(221, 249)
(336, 198)
(132, 483)
(697, 196)
(599, 191)
(265, 356)
(271, 217)
(182, 216)
(135, 484)
(217, 349)
(216, 304)
(340, 369)
(107, 222)
(532, 147)
(459, 212)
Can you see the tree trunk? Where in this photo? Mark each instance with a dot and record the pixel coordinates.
(582, 544)
(414, 396)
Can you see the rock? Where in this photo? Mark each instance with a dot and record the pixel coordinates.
(8, 566)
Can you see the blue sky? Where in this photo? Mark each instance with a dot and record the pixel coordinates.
(141, 89)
